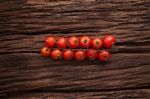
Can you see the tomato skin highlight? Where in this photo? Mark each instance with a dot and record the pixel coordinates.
(61, 42)
(85, 42)
(109, 41)
(96, 43)
(104, 56)
(91, 54)
(68, 54)
(50, 41)
(79, 55)
(73, 42)
(56, 54)
(45, 51)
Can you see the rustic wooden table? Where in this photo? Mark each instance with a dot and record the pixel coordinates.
(24, 74)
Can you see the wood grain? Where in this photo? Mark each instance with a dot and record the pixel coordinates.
(126, 94)
(25, 23)
(126, 43)
(30, 71)
(41, 16)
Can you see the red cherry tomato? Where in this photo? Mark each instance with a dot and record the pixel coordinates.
(56, 54)
(61, 42)
(85, 42)
(109, 41)
(96, 43)
(73, 42)
(92, 54)
(104, 56)
(50, 41)
(68, 54)
(45, 52)
(79, 55)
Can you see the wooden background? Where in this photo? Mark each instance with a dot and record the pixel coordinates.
(24, 74)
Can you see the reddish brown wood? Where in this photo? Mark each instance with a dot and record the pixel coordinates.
(125, 94)
(25, 23)
(67, 16)
(30, 71)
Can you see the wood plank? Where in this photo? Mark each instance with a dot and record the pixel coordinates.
(126, 43)
(25, 23)
(30, 71)
(61, 16)
(125, 94)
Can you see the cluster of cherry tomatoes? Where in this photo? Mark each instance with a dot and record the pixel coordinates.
(78, 48)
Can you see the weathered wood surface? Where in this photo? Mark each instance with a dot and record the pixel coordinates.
(126, 94)
(30, 71)
(127, 43)
(25, 23)
(67, 16)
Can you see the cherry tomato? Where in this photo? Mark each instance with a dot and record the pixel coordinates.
(68, 54)
(104, 56)
(109, 41)
(61, 42)
(73, 42)
(50, 41)
(92, 54)
(96, 43)
(85, 42)
(45, 52)
(79, 55)
(56, 54)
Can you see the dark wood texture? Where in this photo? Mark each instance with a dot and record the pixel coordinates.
(30, 71)
(25, 23)
(67, 16)
(126, 94)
